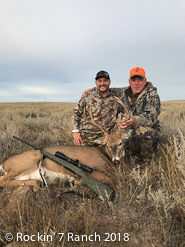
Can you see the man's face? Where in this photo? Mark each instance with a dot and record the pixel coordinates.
(102, 84)
(137, 84)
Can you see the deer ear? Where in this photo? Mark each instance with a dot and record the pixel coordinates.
(100, 140)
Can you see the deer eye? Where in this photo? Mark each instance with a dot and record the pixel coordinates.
(119, 144)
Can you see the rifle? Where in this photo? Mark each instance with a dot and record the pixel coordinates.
(74, 162)
(100, 189)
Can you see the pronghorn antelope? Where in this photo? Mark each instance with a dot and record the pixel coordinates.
(23, 169)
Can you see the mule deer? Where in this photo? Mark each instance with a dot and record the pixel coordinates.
(23, 169)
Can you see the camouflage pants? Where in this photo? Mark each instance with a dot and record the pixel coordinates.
(142, 144)
(88, 139)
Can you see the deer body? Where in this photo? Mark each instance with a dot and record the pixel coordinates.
(23, 169)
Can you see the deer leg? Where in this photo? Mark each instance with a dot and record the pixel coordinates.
(6, 181)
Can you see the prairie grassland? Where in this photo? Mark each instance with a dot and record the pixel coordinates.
(149, 204)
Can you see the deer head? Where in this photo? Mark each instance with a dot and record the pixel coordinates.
(114, 142)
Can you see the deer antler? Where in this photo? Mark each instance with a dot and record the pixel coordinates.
(126, 115)
(104, 130)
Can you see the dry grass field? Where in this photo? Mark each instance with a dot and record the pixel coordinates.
(148, 209)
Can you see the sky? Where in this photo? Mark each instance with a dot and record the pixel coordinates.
(51, 50)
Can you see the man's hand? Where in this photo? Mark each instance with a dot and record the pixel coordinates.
(126, 123)
(77, 138)
(86, 91)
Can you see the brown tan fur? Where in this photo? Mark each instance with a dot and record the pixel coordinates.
(20, 164)
(27, 163)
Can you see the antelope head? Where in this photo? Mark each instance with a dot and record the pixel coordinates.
(113, 142)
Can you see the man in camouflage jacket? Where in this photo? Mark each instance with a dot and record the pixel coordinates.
(143, 103)
(104, 110)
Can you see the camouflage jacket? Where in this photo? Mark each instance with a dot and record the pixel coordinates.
(104, 109)
(145, 108)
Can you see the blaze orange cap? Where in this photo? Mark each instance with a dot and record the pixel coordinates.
(137, 71)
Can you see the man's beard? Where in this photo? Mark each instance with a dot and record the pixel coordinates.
(105, 90)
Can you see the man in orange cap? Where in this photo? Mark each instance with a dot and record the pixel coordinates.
(143, 103)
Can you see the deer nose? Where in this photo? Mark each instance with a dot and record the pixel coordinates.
(116, 163)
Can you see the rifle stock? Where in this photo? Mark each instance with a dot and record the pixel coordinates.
(100, 189)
